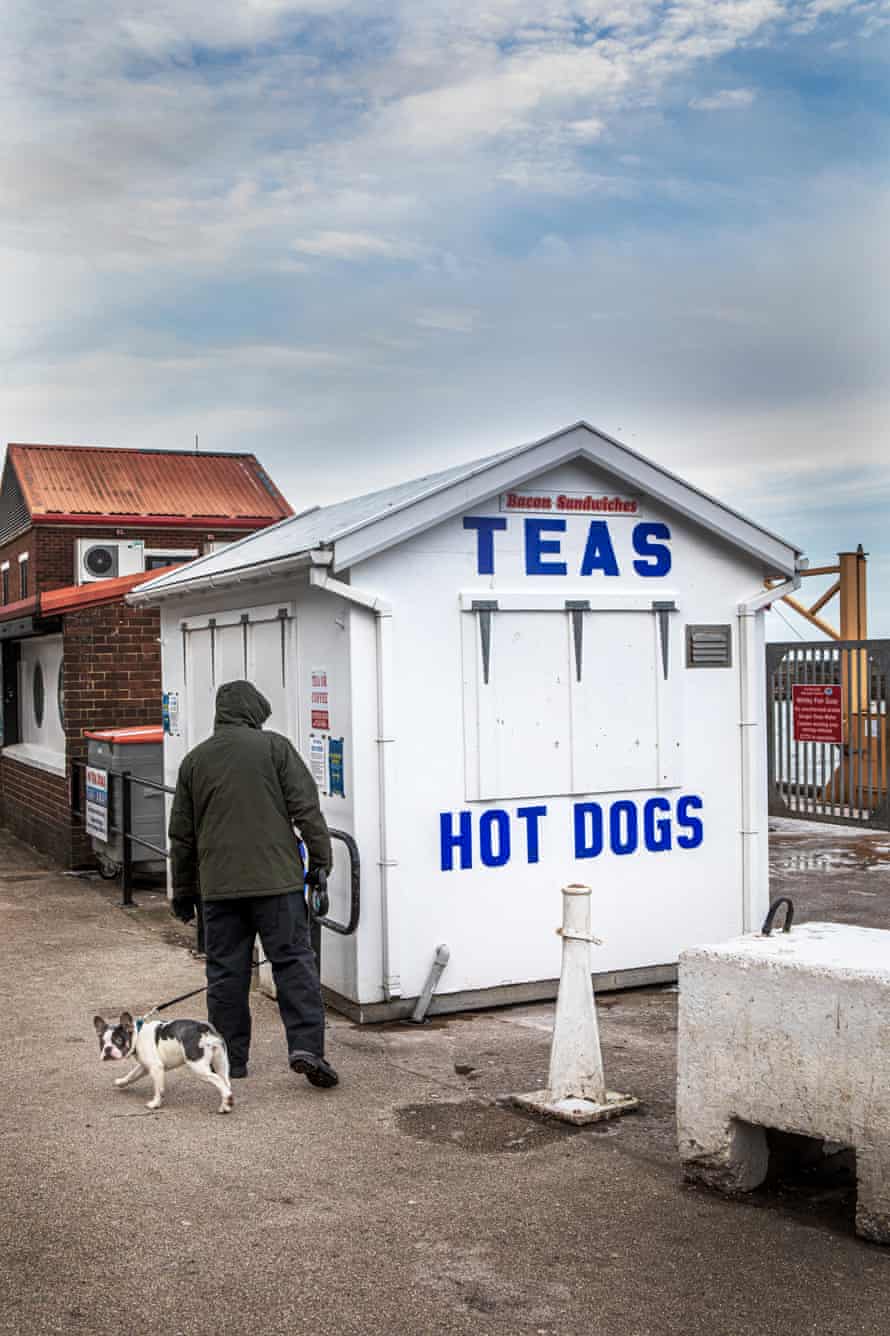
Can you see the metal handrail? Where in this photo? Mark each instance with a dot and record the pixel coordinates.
(128, 779)
(355, 879)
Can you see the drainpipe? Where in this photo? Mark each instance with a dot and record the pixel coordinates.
(382, 610)
(752, 738)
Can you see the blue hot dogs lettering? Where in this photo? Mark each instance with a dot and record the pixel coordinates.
(494, 837)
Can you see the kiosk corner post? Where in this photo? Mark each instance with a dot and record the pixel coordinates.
(576, 1090)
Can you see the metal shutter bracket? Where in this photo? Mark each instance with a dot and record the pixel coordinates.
(576, 607)
(662, 609)
(484, 608)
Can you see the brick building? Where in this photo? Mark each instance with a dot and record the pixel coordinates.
(79, 527)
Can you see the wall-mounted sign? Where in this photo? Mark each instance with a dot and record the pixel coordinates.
(319, 700)
(567, 503)
(817, 713)
(170, 713)
(318, 756)
(97, 803)
(336, 782)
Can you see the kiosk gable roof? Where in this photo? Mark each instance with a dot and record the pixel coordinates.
(358, 528)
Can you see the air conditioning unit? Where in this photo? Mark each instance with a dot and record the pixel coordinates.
(104, 558)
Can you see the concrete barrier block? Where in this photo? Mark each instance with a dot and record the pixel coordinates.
(792, 1032)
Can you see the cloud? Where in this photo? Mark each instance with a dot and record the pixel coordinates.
(313, 226)
(352, 246)
(450, 321)
(728, 99)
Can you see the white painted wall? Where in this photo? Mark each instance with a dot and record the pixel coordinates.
(323, 633)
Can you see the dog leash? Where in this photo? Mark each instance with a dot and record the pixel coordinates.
(318, 907)
(162, 1006)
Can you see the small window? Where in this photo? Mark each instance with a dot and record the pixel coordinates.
(23, 579)
(39, 694)
(5, 585)
(157, 558)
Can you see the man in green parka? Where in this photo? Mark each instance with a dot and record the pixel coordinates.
(232, 844)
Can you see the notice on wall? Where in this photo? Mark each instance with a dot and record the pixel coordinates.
(319, 700)
(336, 780)
(318, 758)
(171, 713)
(97, 803)
(817, 713)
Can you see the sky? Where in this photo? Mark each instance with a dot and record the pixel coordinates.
(367, 242)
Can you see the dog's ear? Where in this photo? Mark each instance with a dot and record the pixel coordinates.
(99, 1024)
(126, 1020)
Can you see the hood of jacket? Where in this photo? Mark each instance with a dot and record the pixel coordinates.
(240, 703)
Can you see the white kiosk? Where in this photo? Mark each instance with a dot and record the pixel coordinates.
(542, 667)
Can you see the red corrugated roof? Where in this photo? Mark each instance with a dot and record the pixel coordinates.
(140, 733)
(22, 607)
(55, 601)
(90, 484)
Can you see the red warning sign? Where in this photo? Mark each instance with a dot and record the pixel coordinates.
(817, 713)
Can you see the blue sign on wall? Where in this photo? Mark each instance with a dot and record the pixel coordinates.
(336, 780)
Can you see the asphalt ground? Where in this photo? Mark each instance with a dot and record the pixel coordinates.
(412, 1199)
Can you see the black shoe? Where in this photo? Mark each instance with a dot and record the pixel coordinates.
(238, 1071)
(316, 1071)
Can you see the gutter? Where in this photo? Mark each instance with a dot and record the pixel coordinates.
(752, 741)
(245, 524)
(320, 578)
(261, 570)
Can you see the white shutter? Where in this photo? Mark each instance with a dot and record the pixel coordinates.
(576, 696)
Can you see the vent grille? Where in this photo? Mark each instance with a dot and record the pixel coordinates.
(709, 646)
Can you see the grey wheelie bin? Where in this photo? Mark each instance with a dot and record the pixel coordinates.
(141, 751)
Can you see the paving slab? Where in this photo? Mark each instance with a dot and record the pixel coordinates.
(413, 1198)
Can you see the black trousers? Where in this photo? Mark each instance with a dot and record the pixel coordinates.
(280, 921)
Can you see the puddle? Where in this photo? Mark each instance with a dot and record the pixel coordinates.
(835, 860)
(481, 1129)
(436, 1022)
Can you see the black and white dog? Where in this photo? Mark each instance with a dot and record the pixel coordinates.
(159, 1046)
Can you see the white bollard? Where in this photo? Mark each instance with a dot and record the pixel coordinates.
(576, 1090)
